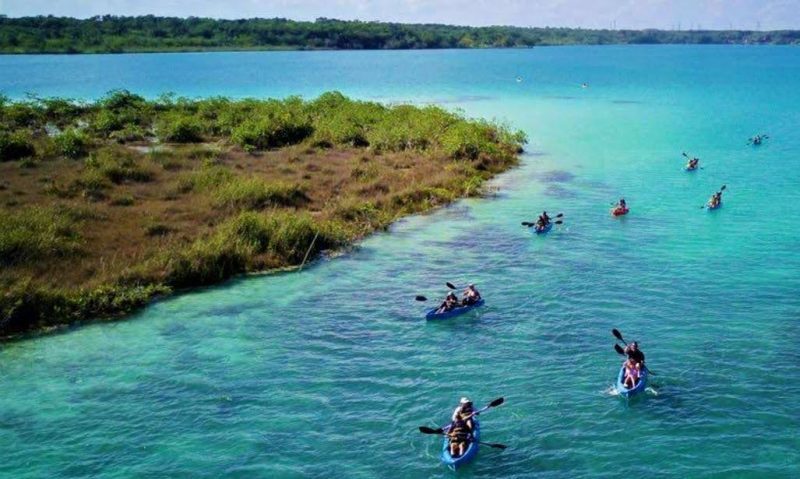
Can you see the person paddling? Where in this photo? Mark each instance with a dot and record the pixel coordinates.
(633, 352)
(464, 412)
(621, 206)
(450, 302)
(543, 220)
(470, 296)
(692, 165)
(715, 200)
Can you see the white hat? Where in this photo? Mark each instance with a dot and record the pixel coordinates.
(465, 400)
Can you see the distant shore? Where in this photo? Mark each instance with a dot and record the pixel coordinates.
(150, 34)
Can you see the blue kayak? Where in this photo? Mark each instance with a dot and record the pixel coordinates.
(453, 312)
(541, 231)
(686, 168)
(625, 392)
(712, 208)
(472, 450)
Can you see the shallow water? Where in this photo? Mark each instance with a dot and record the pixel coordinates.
(328, 372)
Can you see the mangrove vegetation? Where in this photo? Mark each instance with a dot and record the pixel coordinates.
(115, 34)
(105, 205)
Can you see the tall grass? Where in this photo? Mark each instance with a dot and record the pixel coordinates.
(237, 244)
(254, 194)
(36, 234)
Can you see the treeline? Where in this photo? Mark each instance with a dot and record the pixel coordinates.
(113, 34)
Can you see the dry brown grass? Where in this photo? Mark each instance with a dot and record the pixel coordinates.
(132, 222)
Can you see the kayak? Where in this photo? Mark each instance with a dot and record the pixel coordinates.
(472, 450)
(620, 212)
(686, 168)
(431, 315)
(625, 392)
(545, 229)
(712, 208)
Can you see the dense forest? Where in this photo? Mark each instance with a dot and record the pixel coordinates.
(112, 34)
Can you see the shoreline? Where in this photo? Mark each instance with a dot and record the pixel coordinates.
(436, 49)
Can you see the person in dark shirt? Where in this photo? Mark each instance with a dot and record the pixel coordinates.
(634, 353)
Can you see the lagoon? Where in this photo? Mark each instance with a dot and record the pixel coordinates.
(328, 372)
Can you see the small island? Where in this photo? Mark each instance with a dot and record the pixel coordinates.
(105, 205)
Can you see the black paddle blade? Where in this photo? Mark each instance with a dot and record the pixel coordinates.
(560, 215)
(450, 285)
(684, 154)
(496, 446)
(421, 298)
(496, 402)
(526, 223)
(430, 430)
(723, 187)
(619, 349)
(617, 334)
(559, 222)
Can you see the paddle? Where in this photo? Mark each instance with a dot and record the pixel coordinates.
(421, 298)
(492, 404)
(440, 431)
(722, 188)
(529, 224)
(619, 349)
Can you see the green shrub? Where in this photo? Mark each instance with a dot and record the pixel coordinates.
(123, 200)
(35, 234)
(180, 128)
(71, 143)
(205, 178)
(16, 145)
(128, 133)
(119, 165)
(60, 111)
(92, 185)
(206, 261)
(122, 99)
(25, 308)
(253, 194)
(21, 115)
(275, 129)
(284, 235)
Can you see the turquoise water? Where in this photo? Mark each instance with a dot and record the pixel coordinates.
(329, 372)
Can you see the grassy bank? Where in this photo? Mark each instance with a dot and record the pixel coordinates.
(105, 205)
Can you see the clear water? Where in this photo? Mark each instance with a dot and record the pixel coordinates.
(329, 372)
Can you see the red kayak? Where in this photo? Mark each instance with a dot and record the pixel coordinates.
(620, 211)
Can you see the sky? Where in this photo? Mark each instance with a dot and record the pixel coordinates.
(633, 14)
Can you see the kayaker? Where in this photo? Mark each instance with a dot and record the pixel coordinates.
(621, 206)
(633, 371)
(459, 436)
(464, 412)
(634, 353)
(543, 220)
(693, 163)
(471, 295)
(450, 302)
(715, 200)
